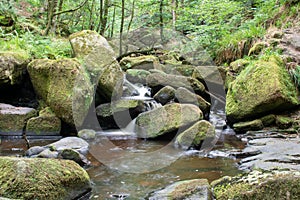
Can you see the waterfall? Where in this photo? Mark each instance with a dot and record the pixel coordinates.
(137, 91)
(152, 104)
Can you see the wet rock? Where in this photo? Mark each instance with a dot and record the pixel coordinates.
(75, 143)
(161, 80)
(141, 62)
(34, 151)
(87, 134)
(45, 124)
(165, 95)
(183, 95)
(273, 153)
(258, 185)
(243, 127)
(70, 154)
(47, 153)
(13, 119)
(188, 189)
(284, 122)
(26, 178)
(137, 75)
(195, 135)
(262, 87)
(12, 68)
(63, 85)
(268, 120)
(166, 119)
(99, 61)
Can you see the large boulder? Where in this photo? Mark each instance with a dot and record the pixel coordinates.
(165, 95)
(259, 186)
(261, 87)
(160, 80)
(63, 85)
(195, 135)
(45, 124)
(99, 60)
(26, 178)
(12, 68)
(13, 119)
(141, 62)
(187, 189)
(166, 119)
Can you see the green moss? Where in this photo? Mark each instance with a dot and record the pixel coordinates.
(41, 178)
(254, 125)
(284, 122)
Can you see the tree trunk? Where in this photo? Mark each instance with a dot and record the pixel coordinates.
(132, 16)
(121, 26)
(113, 23)
(101, 15)
(52, 5)
(91, 23)
(104, 18)
(174, 8)
(161, 21)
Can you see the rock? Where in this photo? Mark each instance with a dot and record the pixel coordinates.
(195, 135)
(119, 113)
(100, 63)
(166, 119)
(268, 120)
(74, 143)
(45, 124)
(12, 68)
(284, 122)
(165, 95)
(238, 65)
(64, 86)
(243, 127)
(70, 154)
(141, 62)
(258, 185)
(13, 119)
(27, 178)
(34, 151)
(47, 153)
(183, 95)
(161, 80)
(137, 75)
(87, 134)
(262, 87)
(257, 48)
(189, 189)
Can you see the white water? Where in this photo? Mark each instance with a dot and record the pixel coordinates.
(138, 91)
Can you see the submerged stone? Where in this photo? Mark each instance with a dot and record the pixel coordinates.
(243, 127)
(262, 87)
(37, 178)
(166, 119)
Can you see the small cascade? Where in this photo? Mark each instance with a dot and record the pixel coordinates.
(151, 104)
(137, 91)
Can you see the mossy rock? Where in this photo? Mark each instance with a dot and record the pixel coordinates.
(257, 48)
(242, 127)
(259, 186)
(12, 68)
(137, 75)
(195, 135)
(64, 85)
(183, 95)
(284, 122)
(13, 119)
(45, 124)
(187, 189)
(166, 119)
(238, 65)
(268, 120)
(165, 95)
(27, 178)
(262, 87)
(141, 62)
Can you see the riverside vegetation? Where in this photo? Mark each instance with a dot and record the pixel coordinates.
(60, 60)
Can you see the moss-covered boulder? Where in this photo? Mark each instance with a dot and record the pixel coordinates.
(12, 68)
(184, 190)
(268, 120)
(159, 80)
(98, 59)
(27, 178)
(13, 119)
(259, 186)
(166, 119)
(141, 62)
(284, 122)
(64, 86)
(137, 75)
(183, 95)
(254, 125)
(45, 124)
(195, 135)
(165, 95)
(262, 87)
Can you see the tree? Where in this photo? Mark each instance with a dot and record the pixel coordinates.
(122, 25)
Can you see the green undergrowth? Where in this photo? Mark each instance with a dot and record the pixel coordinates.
(35, 45)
